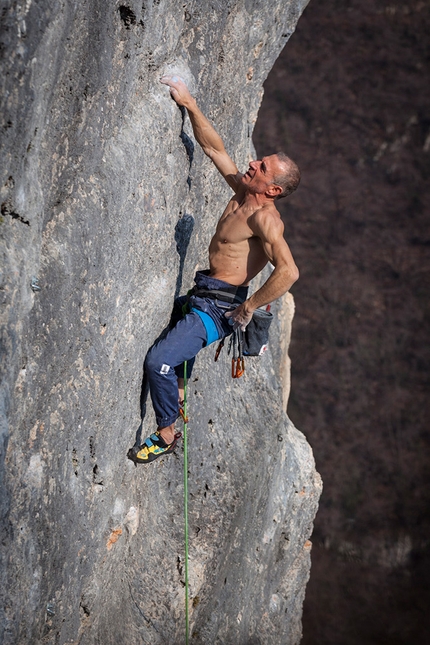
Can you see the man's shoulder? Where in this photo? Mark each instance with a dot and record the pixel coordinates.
(266, 223)
(267, 214)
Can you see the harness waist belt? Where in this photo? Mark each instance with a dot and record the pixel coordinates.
(232, 297)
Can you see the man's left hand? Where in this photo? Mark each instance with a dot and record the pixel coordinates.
(239, 317)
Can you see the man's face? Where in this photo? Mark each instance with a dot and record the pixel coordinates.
(260, 174)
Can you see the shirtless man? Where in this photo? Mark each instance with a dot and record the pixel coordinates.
(248, 236)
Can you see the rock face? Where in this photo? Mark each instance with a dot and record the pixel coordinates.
(108, 206)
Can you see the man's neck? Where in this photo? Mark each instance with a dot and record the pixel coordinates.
(255, 200)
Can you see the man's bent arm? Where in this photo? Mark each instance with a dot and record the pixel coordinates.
(205, 133)
(280, 281)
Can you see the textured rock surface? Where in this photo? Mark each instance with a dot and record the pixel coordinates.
(108, 208)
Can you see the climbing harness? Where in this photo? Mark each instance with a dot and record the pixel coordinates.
(219, 296)
(185, 420)
(228, 293)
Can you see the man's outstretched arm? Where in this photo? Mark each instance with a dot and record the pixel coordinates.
(205, 133)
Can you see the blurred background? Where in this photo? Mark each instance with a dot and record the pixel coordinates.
(349, 101)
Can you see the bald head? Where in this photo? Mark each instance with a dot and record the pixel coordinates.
(289, 176)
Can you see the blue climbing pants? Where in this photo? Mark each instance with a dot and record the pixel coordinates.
(204, 323)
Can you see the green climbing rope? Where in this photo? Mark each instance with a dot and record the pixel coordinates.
(186, 503)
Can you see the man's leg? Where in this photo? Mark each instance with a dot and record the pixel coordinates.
(179, 311)
(181, 343)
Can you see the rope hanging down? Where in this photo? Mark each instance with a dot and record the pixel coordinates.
(186, 502)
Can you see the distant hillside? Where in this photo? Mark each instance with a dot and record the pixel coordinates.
(349, 100)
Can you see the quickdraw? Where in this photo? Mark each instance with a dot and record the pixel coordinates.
(182, 411)
(218, 350)
(237, 362)
(236, 344)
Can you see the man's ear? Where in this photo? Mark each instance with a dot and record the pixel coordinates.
(274, 190)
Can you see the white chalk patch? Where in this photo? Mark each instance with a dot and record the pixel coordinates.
(34, 474)
(132, 520)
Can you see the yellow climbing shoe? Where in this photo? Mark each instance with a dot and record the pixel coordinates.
(153, 447)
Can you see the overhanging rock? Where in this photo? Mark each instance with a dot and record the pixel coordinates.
(108, 206)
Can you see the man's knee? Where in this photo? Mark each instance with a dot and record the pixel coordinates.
(154, 361)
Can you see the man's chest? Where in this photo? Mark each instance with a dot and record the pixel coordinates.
(233, 227)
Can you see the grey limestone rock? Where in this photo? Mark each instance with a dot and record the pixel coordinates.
(107, 209)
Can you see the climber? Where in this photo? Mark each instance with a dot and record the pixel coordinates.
(248, 236)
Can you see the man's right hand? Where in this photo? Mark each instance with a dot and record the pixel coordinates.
(239, 317)
(178, 90)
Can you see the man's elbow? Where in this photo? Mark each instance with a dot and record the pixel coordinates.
(209, 151)
(291, 274)
(214, 152)
(295, 274)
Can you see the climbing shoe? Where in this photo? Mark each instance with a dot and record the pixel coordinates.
(153, 447)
